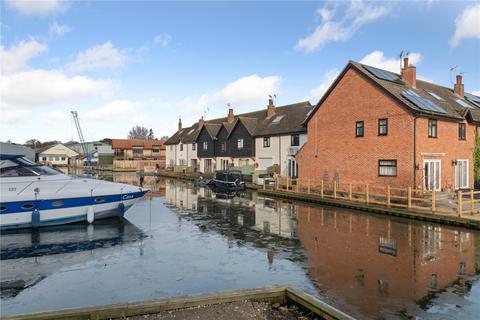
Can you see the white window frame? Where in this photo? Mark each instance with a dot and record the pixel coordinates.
(465, 186)
(205, 145)
(240, 143)
(439, 173)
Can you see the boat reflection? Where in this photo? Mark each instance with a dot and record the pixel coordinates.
(45, 251)
(369, 266)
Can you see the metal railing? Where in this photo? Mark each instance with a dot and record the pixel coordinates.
(457, 202)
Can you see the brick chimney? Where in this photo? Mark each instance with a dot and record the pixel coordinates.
(200, 123)
(179, 123)
(230, 116)
(270, 108)
(458, 87)
(409, 73)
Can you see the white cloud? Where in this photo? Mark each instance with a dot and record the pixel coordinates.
(378, 59)
(58, 29)
(163, 39)
(56, 118)
(477, 93)
(327, 80)
(10, 116)
(342, 29)
(244, 91)
(44, 87)
(103, 56)
(14, 59)
(38, 7)
(112, 109)
(467, 25)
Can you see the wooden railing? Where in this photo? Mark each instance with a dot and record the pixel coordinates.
(458, 203)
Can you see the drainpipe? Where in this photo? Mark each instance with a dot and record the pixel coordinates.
(280, 153)
(414, 151)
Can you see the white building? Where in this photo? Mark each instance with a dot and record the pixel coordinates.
(181, 149)
(57, 155)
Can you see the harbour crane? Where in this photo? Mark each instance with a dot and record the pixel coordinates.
(88, 155)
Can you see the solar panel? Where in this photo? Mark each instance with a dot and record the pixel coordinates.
(382, 74)
(473, 99)
(436, 96)
(463, 104)
(421, 102)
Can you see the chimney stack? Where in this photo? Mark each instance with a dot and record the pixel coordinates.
(458, 87)
(230, 116)
(200, 123)
(179, 123)
(270, 108)
(409, 73)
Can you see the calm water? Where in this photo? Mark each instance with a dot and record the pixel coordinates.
(185, 240)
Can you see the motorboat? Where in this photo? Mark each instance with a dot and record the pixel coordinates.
(231, 180)
(34, 195)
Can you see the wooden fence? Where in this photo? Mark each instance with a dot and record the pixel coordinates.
(454, 202)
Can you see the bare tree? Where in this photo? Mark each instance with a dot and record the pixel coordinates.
(138, 132)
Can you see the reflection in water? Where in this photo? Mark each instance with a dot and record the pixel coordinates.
(369, 266)
(45, 251)
(193, 240)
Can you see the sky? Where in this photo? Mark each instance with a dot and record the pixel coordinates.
(126, 63)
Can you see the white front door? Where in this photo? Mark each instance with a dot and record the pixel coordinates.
(461, 174)
(432, 174)
(292, 168)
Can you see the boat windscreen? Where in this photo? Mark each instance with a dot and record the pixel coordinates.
(28, 171)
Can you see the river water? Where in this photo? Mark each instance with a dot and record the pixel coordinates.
(182, 239)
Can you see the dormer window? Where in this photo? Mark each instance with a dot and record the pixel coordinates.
(205, 145)
(240, 143)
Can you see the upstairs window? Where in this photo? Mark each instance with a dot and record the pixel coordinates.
(223, 147)
(266, 142)
(240, 143)
(387, 168)
(137, 150)
(432, 128)
(181, 147)
(359, 129)
(155, 149)
(462, 131)
(194, 146)
(295, 140)
(382, 127)
(205, 145)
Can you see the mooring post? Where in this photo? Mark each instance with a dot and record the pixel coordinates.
(276, 183)
(366, 193)
(434, 206)
(409, 197)
(388, 196)
(460, 204)
(321, 189)
(308, 190)
(350, 191)
(472, 203)
(288, 181)
(298, 182)
(334, 189)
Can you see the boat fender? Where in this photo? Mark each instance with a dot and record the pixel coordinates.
(121, 210)
(90, 214)
(35, 218)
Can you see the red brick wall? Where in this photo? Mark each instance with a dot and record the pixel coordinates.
(331, 135)
(446, 148)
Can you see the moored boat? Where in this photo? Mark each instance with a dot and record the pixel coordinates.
(230, 180)
(34, 195)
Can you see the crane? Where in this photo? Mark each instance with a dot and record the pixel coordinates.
(82, 140)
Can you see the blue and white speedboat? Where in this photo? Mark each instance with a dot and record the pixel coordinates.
(33, 195)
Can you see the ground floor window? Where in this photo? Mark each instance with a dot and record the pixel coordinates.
(194, 162)
(292, 168)
(432, 174)
(208, 165)
(461, 174)
(224, 164)
(387, 168)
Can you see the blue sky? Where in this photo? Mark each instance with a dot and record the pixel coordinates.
(122, 63)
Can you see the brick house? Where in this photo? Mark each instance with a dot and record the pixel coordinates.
(377, 127)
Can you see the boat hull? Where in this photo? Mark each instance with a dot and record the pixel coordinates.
(73, 210)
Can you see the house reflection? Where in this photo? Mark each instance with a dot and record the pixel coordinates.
(377, 264)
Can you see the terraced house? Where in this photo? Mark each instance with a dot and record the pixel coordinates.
(255, 140)
(378, 127)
